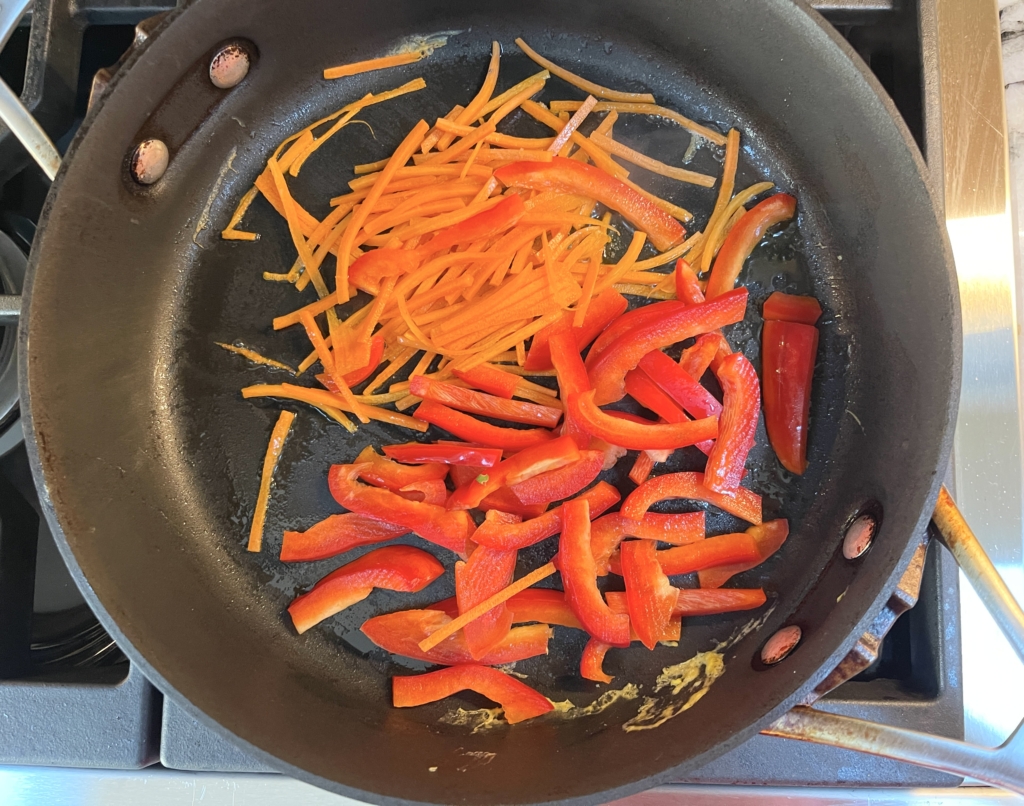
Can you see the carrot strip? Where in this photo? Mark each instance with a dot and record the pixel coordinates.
(368, 168)
(605, 126)
(255, 357)
(585, 85)
(230, 232)
(651, 164)
(291, 216)
(390, 370)
(274, 448)
(474, 107)
(417, 171)
(313, 309)
(474, 613)
(376, 309)
(671, 255)
(321, 399)
(435, 134)
(355, 68)
(573, 124)
(649, 109)
(601, 159)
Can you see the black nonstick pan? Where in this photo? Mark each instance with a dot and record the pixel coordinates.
(149, 459)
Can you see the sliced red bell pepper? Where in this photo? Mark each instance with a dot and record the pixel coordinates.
(709, 349)
(642, 468)
(737, 425)
(632, 435)
(357, 376)
(336, 534)
(520, 535)
(743, 237)
(768, 538)
(607, 533)
(490, 379)
(458, 397)
(544, 605)
(592, 662)
(469, 428)
(740, 502)
(529, 462)
(721, 550)
(679, 385)
(579, 577)
(370, 268)
(382, 472)
(433, 523)
(396, 568)
(519, 700)
(485, 573)
(450, 453)
(649, 594)
(632, 320)
(612, 453)
(504, 500)
(687, 285)
(572, 382)
(788, 353)
(400, 633)
(703, 602)
(648, 394)
(618, 604)
(608, 372)
(791, 308)
(431, 491)
(562, 483)
(603, 309)
(589, 181)
(481, 227)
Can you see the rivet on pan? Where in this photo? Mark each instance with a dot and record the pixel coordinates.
(859, 536)
(229, 66)
(149, 161)
(781, 644)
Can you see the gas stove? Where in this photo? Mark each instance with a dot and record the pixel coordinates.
(70, 699)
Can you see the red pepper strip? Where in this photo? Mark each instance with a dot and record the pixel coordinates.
(681, 387)
(449, 454)
(649, 594)
(357, 376)
(730, 549)
(606, 533)
(485, 573)
(520, 535)
(396, 568)
(655, 455)
(504, 500)
(592, 662)
(433, 523)
(791, 308)
(737, 425)
(586, 180)
(709, 349)
(739, 502)
(458, 397)
(743, 237)
(469, 428)
(400, 633)
(527, 463)
(432, 492)
(628, 434)
(382, 472)
(687, 285)
(612, 453)
(490, 379)
(562, 483)
(643, 465)
(579, 577)
(572, 382)
(701, 602)
(481, 227)
(519, 700)
(336, 534)
(648, 394)
(618, 604)
(768, 537)
(603, 309)
(788, 352)
(636, 318)
(608, 372)
(370, 268)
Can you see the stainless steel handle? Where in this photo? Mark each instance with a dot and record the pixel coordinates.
(1001, 766)
(10, 310)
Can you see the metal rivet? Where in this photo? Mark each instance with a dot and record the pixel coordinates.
(859, 536)
(229, 66)
(781, 644)
(149, 162)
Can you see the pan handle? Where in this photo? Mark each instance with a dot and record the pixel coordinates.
(1001, 766)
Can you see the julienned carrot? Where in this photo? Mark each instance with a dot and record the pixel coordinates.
(255, 357)
(574, 123)
(601, 159)
(274, 448)
(645, 109)
(652, 165)
(321, 398)
(582, 83)
(356, 68)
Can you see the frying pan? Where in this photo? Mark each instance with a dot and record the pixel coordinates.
(148, 460)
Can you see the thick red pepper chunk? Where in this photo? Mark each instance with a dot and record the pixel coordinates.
(608, 532)
(382, 472)
(603, 309)
(520, 535)
(396, 568)
(740, 502)
(608, 371)
(519, 700)
(490, 379)
(469, 400)
(737, 424)
(636, 436)
(335, 535)
(649, 595)
(433, 523)
(788, 352)
(450, 453)
(562, 483)
(791, 308)
(577, 177)
(743, 237)
(592, 662)
(400, 633)
(768, 538)
(485, 573)
(473, 430)
(579, 578)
